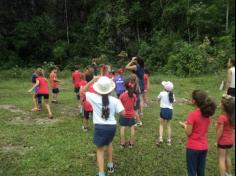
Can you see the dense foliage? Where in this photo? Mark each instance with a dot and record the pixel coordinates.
(184, 37)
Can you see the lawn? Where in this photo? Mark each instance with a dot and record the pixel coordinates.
(31, 145)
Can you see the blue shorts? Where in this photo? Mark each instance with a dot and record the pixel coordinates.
(166, 113)
(126, 122)
(104, 135)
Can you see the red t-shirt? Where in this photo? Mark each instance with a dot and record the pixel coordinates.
(146, 81)
(43, 85)
(129, 104)
(198, 139)
(86, 105)
(53, 77)
(227, 137)
(76, 79)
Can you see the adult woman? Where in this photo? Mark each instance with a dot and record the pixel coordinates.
(230, 86)
(104, 109)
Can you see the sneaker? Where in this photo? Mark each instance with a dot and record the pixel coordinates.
(139, 124)
(122, 146)
(131, 146)
(85, 129)
(159, 142)
(110, 170)
(169, 143)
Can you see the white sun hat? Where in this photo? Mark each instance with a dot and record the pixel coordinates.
(169, 86)
(104, 85)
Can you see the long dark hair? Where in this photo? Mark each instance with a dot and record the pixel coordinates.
(171, 97)
(204, 102)
(228, 104)
(105, 107)
(130, 86)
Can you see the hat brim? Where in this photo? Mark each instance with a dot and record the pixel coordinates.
(97, 89)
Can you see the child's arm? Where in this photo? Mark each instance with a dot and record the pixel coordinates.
(148, 83)
(130, 65)
(188, 128)
(34, 86)
(87, 86)
(219, 131)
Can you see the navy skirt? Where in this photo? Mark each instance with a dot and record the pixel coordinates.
(166, 113)
(104, 135)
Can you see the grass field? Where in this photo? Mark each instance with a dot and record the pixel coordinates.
(31, 145)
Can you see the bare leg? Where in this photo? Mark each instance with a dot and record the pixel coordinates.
(222, 161)
(132, 133)
(100, 159)
(138, 117)
(48, 108)
(169, 131)
(110, 153)
(228, 163)
(161, 129)
(122, 135)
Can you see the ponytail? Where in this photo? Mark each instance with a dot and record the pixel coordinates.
(105, 107)
(208, 108)
(206, 104)
(171, 97)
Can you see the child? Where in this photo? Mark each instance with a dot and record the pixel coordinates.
(54, 84)
(120, 83)
(76, 81)
(87, 107)
(225, 134)
(128, 100)
(104, 109)
(36, 100)
(42, 83)
(166, 99)
(139, 113)
(230, 86)
(146, 87)
(196, 128)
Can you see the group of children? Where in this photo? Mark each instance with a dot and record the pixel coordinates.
(94, 96)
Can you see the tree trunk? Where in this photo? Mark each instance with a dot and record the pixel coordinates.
(189, 32)
(227, 16)
(67, 24)
(138, 32)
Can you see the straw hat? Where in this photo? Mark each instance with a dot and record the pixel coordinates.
(104, 86)
(169, 86)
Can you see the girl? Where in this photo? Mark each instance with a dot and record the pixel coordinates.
(120, 83)
(37, 101)
(54, 84)
(43, 91)
(196, 128)
(225, 134)
(166, 99)
(128, 100)
(230, 86)
(104, 109)
(139, 113)
(85, 105)
(146, 87)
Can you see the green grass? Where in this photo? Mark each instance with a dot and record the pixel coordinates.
(61, 148)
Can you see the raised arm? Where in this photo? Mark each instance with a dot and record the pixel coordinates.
(87, 86)
(131, 66)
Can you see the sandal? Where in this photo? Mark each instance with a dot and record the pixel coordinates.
(35, 109)
(50, 116)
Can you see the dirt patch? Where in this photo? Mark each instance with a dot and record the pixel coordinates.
(21, 149)
(12, 109)
(33, 121)
(183, 101)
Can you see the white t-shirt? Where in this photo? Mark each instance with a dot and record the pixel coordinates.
(164, 100)
(115, 106)
(232, 85)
